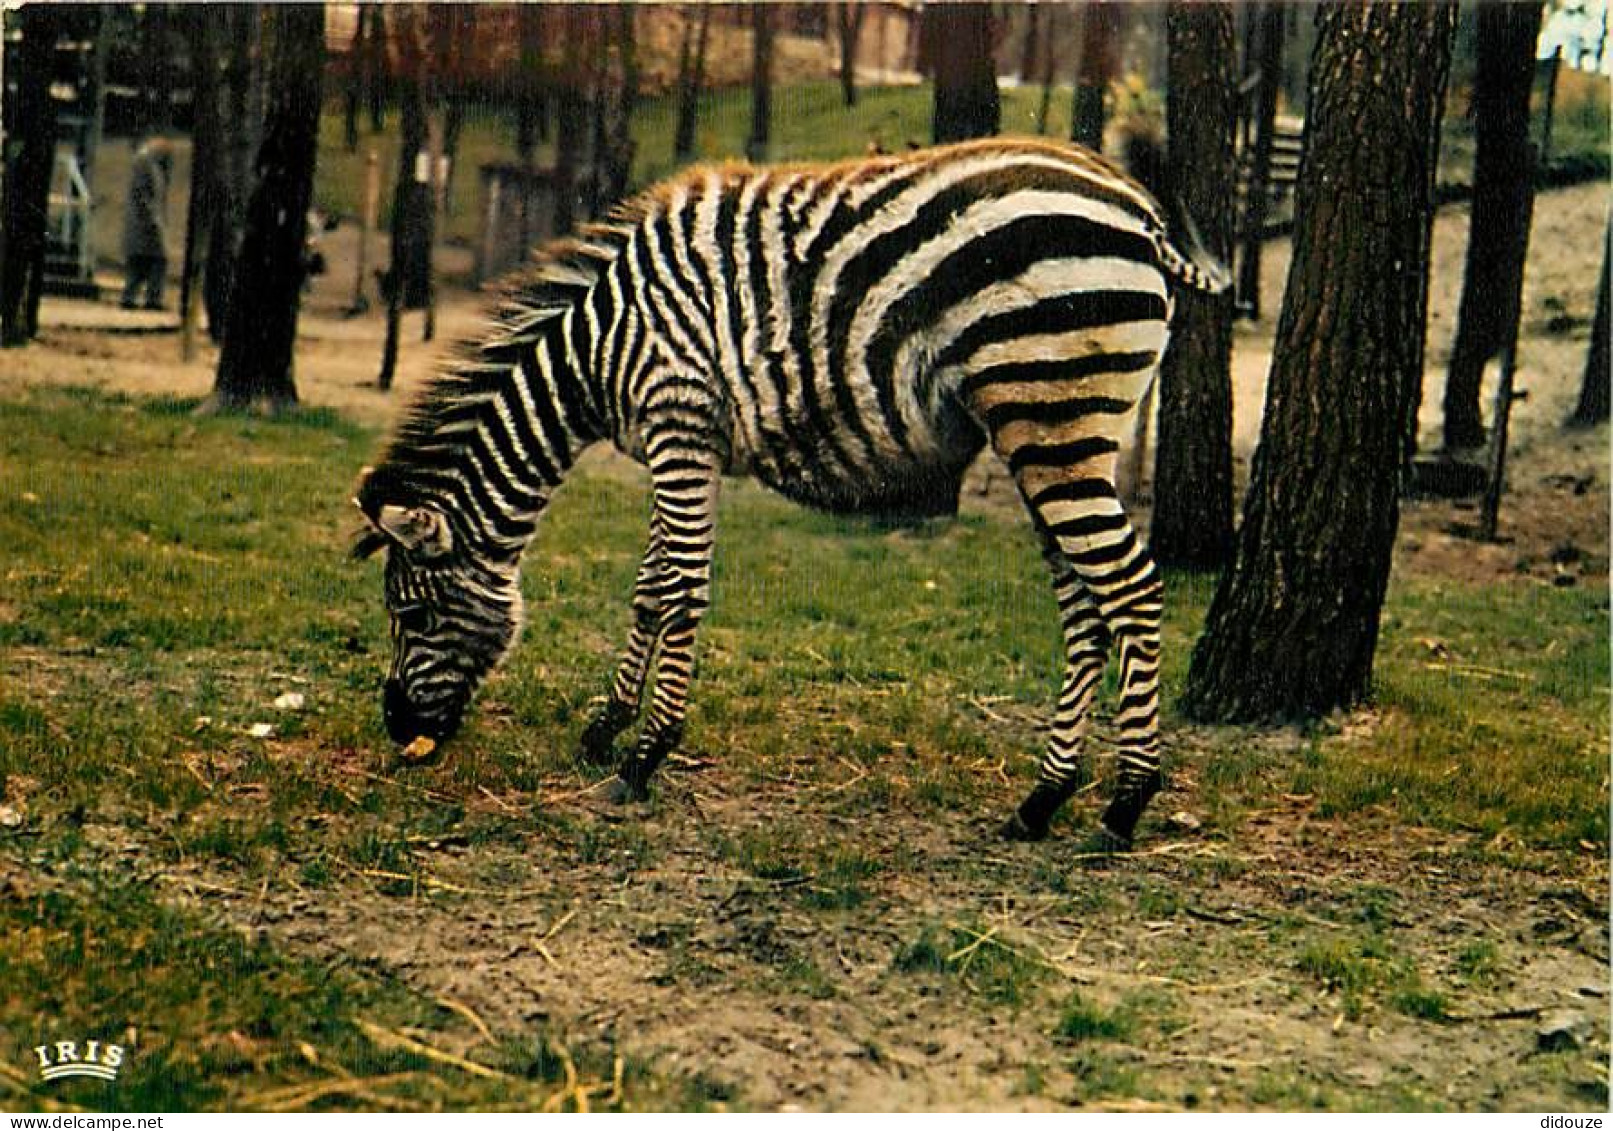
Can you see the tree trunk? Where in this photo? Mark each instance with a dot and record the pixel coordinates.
(761, 82)
(27, 182)
(1293, 626)
(532, 90)
(407, 282)
(691, 79)
(958, 46)
(1266, 34)
(1099, 65)
(572, 115)
(377, 73)
(616, 160)
(238, 145)
(353, 90)
(1192, 522)
(1593, 394)
(256, 362)
(206, 28)
(1499, 233)
(850, 13)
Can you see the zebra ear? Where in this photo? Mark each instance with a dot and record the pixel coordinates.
(422, 532)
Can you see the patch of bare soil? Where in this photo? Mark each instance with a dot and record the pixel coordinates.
(665, 951)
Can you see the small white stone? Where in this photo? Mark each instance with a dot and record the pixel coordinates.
(290, 701)
(261, 730)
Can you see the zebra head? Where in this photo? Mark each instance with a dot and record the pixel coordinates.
(454, 614)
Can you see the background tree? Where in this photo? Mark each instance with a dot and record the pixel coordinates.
(1192, 522)
(1263, 54)
(761, 82)
(572, 116)
(849, 23)
(377, 71)
(239, 126)
(532, 83)
(1098, 65)
(617, 105)
(1592, 408)
(255, 364)
(353, 86)
(206, 27)
(31, 145)
(691, 80)
(958, 42)
(1503, 165)
(407, 281)
(1293, 626)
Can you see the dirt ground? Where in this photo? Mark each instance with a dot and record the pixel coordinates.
(683, 963)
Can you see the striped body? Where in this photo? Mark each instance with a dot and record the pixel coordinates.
(851, 335)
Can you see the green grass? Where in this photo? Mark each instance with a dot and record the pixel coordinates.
(165, 577)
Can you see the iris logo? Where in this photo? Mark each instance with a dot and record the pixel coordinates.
(64, 1058)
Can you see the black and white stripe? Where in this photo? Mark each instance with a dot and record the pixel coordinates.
(850, 334)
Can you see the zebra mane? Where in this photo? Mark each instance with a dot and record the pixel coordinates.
(527, 302)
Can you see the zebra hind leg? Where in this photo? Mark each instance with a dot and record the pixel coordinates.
(1087, 527)
(1066, 768)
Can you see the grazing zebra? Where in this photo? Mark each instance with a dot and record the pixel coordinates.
(850, 334)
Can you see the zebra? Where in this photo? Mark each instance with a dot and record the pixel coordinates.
(850, 334)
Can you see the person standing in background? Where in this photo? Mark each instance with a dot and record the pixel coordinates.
(145, 224)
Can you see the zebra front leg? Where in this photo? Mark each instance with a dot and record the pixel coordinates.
(686, 481)
(1065, 767)
(598, 743)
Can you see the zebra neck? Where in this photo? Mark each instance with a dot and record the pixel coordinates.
(493, 439)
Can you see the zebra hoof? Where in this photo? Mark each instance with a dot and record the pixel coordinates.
(597, 747)
(632, 783)
(1016, 829)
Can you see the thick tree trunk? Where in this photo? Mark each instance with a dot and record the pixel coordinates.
(255, 364)
(238, 146)
(1593, 394)
(1293, 626)
(1499, 234)
(27, 182)
(691, 79)
(1192, 523)
(1266, 37)
(761, 83)
(958, 42)
(353, 89)
(1098, 65)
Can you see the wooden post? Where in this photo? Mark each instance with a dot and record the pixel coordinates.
(372, 205)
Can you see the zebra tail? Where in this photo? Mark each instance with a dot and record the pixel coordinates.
(1187, 259)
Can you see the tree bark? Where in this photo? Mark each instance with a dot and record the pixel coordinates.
(572, 114)
(238, 145)
(1292, 628)
(761, 82)
(353, 89)
(616, 159)
(958, 42)
(255, 364)
(377, 75)
(532, 89)
(850, 15)
(1593, 394)
(691, 80)
(1098, 65)
(206, 28)
(1499, 234)
(1266, 36)
(1192, 521)
(27, 183)
(407, 282)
